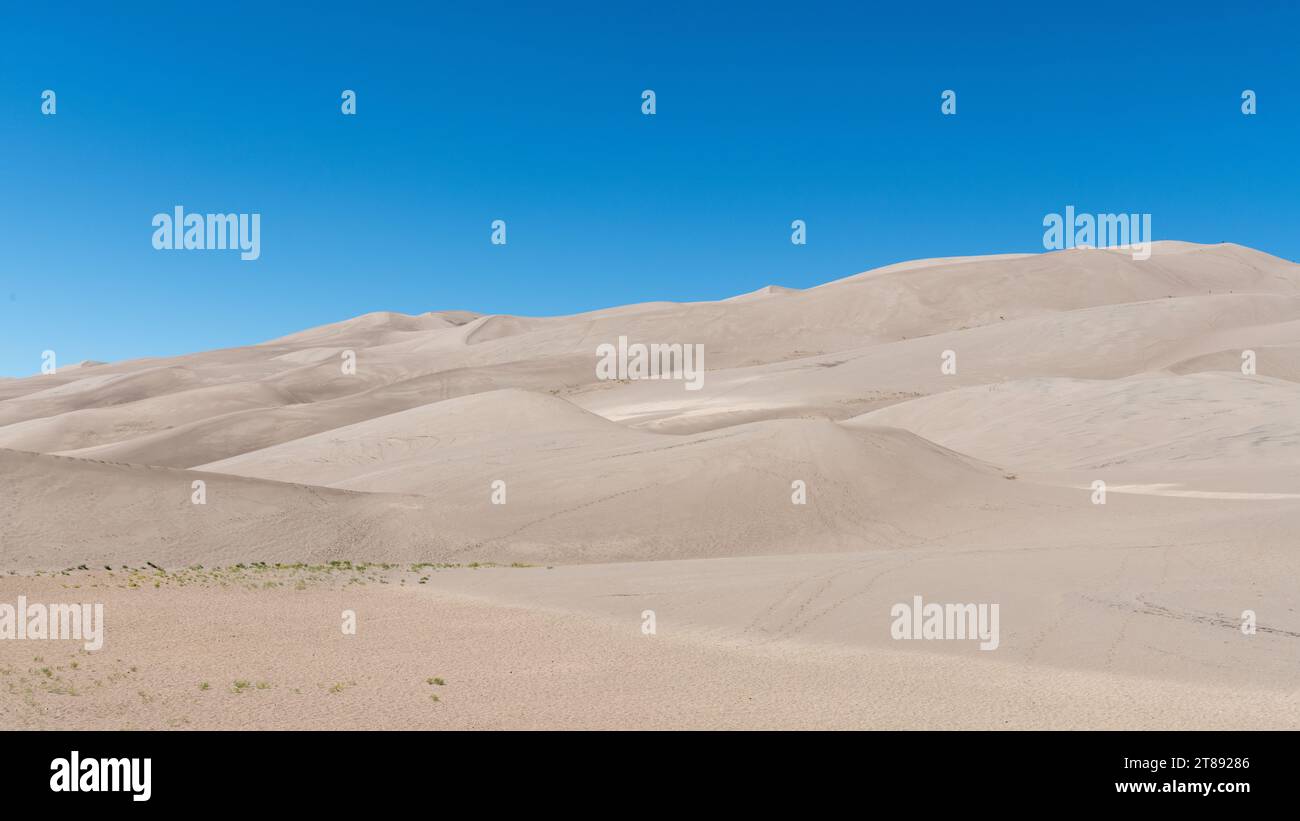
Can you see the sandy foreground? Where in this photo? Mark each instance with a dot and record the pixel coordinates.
(245, 655)
(501, 521)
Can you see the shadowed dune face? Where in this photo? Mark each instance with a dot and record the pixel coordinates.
(936, 425)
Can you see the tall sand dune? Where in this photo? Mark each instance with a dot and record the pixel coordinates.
(935, 427)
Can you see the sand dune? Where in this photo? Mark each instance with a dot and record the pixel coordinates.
(485, 427)
(372, 327)
(214, 437)
(829, 467)
(628, 498)
(1272, 361)
(1091, 314)
(1170, 423)
(626, 494)
(1093, 343)
(59, 512)
(96, 426)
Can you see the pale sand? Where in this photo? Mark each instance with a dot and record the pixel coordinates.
(513, 667)
(973, 487)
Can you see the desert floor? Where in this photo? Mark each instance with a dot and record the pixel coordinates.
(264, 649)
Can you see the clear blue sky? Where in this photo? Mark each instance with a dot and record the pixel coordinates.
(531, 113)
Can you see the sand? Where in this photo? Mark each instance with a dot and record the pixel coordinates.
(376, 492)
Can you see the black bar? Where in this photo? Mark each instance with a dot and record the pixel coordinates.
(334, 770)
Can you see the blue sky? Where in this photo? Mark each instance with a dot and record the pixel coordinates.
(531, 113)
